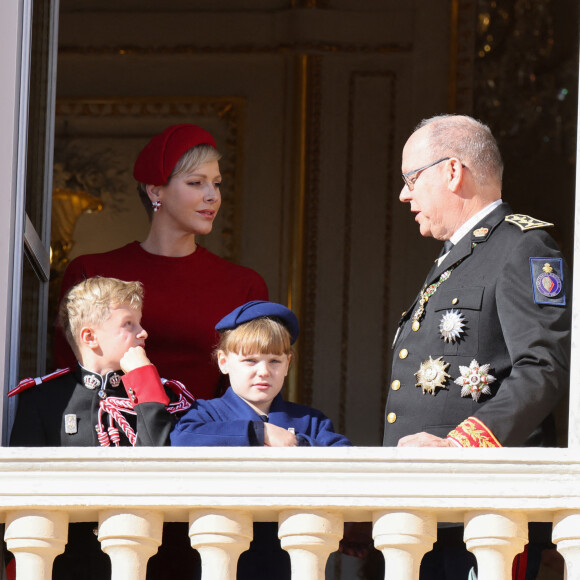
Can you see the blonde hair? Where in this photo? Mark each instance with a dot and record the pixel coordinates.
(90, 303)
(259, 336)
(188, 162)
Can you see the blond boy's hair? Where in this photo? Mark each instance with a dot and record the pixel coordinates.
(89, 303)
(259, 336)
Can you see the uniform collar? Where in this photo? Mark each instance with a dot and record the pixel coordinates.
(480, 232)
(474, 220)
(92, 380)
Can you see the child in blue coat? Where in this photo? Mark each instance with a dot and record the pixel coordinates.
(255, 350)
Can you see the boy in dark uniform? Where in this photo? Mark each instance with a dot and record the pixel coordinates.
(114, 396)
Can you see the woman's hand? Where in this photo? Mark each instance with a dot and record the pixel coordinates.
(134, 358)
(275, 436)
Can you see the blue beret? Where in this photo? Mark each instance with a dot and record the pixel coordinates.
(260, 309)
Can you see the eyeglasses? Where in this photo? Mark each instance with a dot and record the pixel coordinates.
(410, 182)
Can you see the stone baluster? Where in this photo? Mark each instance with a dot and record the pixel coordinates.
(309, 537)
(36, 538)
(220, 537)
(404, 538)
(130, 539)
(566, 536)
(495, 539)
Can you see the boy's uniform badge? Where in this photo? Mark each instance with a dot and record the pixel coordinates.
(91, 382)
(70, 424)
(115, 380)
(547, 281)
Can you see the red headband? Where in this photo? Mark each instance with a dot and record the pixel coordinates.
(158, 158)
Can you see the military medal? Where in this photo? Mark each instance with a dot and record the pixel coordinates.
(451, 325)
(474, 380)
(424, 298)
(115, 380)
(431, 375)
(70, 424)
(91, 382)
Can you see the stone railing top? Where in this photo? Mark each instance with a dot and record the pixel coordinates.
(357, 481)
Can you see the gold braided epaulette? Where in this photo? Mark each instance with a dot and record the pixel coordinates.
(526, 222)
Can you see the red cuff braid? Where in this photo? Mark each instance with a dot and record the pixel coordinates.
(473, 433)
(143, 385)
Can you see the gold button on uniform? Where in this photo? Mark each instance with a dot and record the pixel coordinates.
(455, 301)
(403, 353)
(396, 385)
(392, 417)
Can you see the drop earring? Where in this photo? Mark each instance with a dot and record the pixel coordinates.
(156, 205)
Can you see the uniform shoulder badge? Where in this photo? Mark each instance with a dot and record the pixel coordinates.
(526, 222)
(548, 281)
(25, 384)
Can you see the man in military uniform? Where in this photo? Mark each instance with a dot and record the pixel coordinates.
(481, 357)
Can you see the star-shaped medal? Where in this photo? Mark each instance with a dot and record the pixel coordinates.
(451, 325)
(475, 380)
(431, 375)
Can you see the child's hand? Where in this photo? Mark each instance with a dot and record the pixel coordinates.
(134, 358)
(275, 436)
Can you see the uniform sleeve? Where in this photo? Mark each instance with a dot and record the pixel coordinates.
(63, 354)
(28, 428)
(154, 424)
(154, 421)
(199, 427)
(537, 338)
(143, 385)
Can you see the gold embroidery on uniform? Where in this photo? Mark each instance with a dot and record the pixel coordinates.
(526, 222)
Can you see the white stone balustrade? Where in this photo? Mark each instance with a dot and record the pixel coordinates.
(36, 537)
(404, 538)
(130, 539)
(495, 539)
(309, 491)
(309, 537)
(220, 537)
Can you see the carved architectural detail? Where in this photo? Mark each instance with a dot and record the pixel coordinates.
(389, 132)
(310, 228)
(283, 48)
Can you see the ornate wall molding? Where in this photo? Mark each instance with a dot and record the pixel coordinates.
(289, 48)
(462, 55)
(310, 227)
(386, 162)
